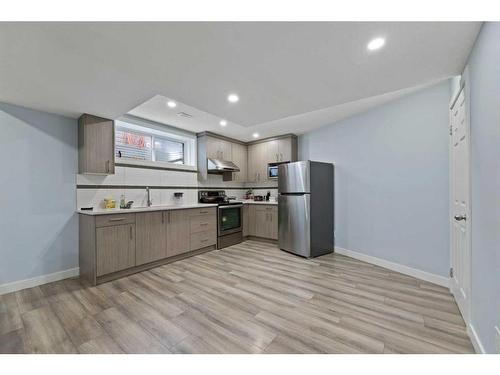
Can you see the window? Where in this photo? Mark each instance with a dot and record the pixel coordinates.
(144, 145)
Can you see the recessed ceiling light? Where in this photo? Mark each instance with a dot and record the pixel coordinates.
(223, 122)
(255, 135)
(375, 44)
(232, 98)
(172, 104)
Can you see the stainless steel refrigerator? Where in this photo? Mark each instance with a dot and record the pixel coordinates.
(305, 208)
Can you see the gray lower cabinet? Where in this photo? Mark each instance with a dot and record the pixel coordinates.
(151, 236)
(178, 232)
(115, 247)
(132, 242)
(262, 221)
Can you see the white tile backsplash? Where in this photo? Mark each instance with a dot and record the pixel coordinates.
(113, 179)
(128, 176)
(175, 178)
(140, 176)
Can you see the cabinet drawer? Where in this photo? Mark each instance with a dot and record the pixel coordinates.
(210, 211)
(114, 219)
(202, 223)
(268, 208)
(203, 239)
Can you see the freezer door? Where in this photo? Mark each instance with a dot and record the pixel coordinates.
(294, 223)
(294, 177)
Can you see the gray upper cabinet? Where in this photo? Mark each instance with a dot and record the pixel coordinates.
(96, 145)
(241, 160)
(257, 162)
(219, 149)
(287, 149)
(281, 150)
(252, 158)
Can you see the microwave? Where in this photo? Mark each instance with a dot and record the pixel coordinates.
(272, 170)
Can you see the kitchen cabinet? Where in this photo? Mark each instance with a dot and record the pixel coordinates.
(262, 221)
(96, 145)
(281, 150)
(115, 248)
(239, 153)
(252, 158)
(151, 235)
(257, 162)
(203, 228)
(219, 149)
(275, 150)
(113, 245)
(178, 232)
(245, 218)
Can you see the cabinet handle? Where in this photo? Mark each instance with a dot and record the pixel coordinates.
(169, 217)
(107, 166)
(203, 224)
(131, 232)
(163, 217)
(119, 219)
(203, 212)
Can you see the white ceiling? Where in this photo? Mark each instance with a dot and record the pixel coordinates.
(290, 76)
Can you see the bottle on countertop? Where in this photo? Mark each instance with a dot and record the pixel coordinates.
(123, 203)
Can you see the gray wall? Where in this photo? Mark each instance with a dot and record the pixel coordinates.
(38, 164)
(484, 82)
(391, 182)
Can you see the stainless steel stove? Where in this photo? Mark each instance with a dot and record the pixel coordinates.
(229, 217)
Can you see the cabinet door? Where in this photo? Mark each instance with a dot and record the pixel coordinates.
(226, 150)
(178, 232)
(262, 161)
(115, 248)
(272, 151)
(273, 225)
(213, 148)
(245, 220)
(96, 145)
(285, 149)
(261, 222)
(252, 163)
(266, 221)
(251, 220)
(239, 152)
(151, 237)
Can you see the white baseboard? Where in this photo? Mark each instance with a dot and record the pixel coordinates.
(419, 274)
(474, 338)
(39, 280)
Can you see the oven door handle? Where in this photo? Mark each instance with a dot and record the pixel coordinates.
(230, 206)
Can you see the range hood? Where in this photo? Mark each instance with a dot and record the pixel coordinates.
(221, 166)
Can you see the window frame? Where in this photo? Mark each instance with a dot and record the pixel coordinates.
(158, 131)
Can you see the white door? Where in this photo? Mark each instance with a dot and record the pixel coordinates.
(460, 205)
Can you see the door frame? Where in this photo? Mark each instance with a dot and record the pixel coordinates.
(464, 86)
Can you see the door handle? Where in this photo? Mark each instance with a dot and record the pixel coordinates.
(460, 217)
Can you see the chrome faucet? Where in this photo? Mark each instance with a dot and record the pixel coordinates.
(150, 202)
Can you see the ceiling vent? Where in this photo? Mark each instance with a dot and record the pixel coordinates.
(184, 114)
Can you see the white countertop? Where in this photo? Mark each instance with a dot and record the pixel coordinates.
(251, 201)
(104, 211)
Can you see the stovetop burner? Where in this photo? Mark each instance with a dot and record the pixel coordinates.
(215, 196)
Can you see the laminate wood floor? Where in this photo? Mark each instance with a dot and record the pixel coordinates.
(248, 298)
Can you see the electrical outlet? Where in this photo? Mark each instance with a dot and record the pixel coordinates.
(497, 339)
